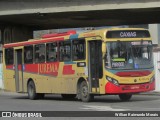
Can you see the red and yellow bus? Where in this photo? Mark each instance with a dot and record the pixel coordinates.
(114, 61)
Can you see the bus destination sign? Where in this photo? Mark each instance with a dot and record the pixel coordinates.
(128, 34)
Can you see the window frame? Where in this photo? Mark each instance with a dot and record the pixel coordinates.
(84, 49)
(60, 53)
(43, 55)
(57, 52)
(32, 54)
(9, 55)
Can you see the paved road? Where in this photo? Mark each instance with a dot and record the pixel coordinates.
(20, 102)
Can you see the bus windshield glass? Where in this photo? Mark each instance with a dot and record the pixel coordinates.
(129, 55)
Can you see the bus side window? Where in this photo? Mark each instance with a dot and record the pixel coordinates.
(65, 51)
(9, 56)
(51, 52)
(39, 53)
(28, 54)
(78, 50)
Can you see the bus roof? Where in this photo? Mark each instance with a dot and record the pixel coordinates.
(31, 42)
(71, 34)
(45, 38)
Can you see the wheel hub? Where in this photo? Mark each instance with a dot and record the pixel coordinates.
(84, 91)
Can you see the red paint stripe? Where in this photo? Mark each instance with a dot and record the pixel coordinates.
(110, 88)
(31, 68)
(67, 70)
(49, 68)
(32, 42)
(9, 67)
(41, 68)
(133, 73)
(71, 32)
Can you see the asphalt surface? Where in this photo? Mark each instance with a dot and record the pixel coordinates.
(19, 102)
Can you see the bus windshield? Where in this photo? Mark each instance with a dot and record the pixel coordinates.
(129, 55)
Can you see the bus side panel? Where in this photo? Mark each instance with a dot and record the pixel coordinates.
(9, 80)
(68, 76)
(66, 80)
(46, 82)
(8, 75)
(41, 82)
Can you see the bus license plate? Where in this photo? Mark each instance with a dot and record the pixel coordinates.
(135, 87)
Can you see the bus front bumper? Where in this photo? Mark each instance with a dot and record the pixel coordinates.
(110, 88)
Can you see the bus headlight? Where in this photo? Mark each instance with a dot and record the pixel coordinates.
(152, 79)
(115, 82)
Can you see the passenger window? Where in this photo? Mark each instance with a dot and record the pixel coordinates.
(78, 50)
(51, 52)
(65, 51)
(9, 56)
(40, 53)
(28, 54)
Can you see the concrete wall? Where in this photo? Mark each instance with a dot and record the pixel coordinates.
(21, 34)
(157, 70)
(155, 33)
(1, 78)
(8, 7)
(16, 34)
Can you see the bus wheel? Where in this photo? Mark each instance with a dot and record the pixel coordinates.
(68, 96)
(32, 91)
(125, 97)
(84, 92)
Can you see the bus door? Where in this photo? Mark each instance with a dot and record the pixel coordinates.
(18, 70)
(94, 65)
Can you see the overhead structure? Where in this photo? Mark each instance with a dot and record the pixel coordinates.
(46, 14)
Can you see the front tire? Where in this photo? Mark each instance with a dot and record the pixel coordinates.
(32, 91)
(125, 97)
(84, 92)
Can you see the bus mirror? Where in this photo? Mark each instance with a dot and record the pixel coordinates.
(104, 47)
